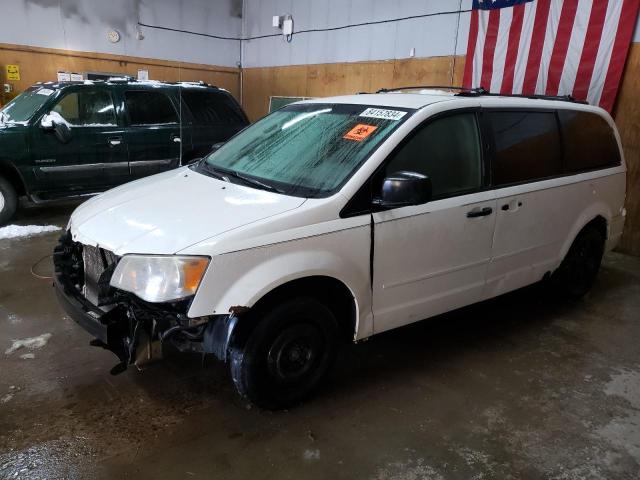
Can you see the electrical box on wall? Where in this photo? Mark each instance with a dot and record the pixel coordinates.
(8, 88)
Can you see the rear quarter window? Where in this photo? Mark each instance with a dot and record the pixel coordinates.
(589, 141)
(149, 108)
(210, 108)
(527, 146)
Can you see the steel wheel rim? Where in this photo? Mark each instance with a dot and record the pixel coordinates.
(294, 353)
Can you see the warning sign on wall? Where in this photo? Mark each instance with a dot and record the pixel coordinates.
(13, 72)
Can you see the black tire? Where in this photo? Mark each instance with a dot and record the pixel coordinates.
(579, 269)
(287, 354)
(8, 201)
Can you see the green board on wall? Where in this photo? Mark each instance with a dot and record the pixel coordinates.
(276, 103)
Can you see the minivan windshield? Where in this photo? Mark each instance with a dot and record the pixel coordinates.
(22, 108)
(305, 150)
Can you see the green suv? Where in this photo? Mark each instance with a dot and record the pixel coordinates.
(60, 140)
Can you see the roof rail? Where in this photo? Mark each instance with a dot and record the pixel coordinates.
(426, 87)
(480, 91)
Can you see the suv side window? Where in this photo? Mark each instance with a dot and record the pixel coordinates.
(149, 108)
(589, 141)
(87, 108)
(209, 107)
(527, 146)
(447, 150)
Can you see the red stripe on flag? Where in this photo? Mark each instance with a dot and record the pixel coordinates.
(489, 48)
(561, 46)
(471, 49)
(512, 49)
(590, 49)
(621, 44)
(535, 50)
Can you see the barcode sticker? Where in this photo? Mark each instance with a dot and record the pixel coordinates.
(383, 113)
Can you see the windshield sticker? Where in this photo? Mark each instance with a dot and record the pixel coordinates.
(44, 91)
(359, 132)
(383, 113)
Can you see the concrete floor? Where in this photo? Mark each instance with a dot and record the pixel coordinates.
(517, 387)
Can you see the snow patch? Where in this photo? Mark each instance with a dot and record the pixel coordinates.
(53, 117)
(27, 356)
(312, 454)
(6, 398)
(15, 231)
(32, 343)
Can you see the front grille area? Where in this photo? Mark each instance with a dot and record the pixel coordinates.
(85, 269)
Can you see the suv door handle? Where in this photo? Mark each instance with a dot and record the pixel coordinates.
(176, 138)
(483, 212)
(114, 141)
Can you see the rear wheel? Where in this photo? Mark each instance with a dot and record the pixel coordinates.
(577, 272)
(287, 354)
(8, 201)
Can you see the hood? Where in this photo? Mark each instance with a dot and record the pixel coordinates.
(165, 213)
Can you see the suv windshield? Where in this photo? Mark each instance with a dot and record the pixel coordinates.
(22, 108)
(306, 150)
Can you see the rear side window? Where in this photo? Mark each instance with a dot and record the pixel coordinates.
(211, 108)
(87, 108)
(527, 146)
(589, 141)
(149, 108)
(447, 150)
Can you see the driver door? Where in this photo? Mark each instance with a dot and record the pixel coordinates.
(432, 258)
(93, 158)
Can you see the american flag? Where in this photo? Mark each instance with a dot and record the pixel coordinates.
(550, 47)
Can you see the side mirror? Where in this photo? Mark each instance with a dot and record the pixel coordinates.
(54, 121)
(402, 189)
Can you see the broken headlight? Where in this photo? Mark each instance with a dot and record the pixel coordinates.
(157, 278)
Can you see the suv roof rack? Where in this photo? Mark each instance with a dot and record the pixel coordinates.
(480, 91)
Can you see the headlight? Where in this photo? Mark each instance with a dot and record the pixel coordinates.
(159, 278)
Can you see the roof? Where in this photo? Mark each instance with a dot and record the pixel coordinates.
(402, 100)
(419, 98)
(127, 81)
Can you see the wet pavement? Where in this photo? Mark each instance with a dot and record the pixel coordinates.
(517, 387)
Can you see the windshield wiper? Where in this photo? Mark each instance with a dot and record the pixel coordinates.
(224, 174)
(253, 181)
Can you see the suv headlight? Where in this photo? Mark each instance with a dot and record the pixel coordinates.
(157, 278)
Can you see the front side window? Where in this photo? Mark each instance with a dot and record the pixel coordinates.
(87, 108)
(447, 150)
(589, 141)
(527, 146)
(149, 108)
(306, 150)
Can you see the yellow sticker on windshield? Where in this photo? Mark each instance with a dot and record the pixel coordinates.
(359, 132)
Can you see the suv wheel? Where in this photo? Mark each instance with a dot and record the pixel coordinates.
(8, 201)
(286, 355)
(578, 271)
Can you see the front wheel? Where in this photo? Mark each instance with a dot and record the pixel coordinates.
(577, 273)
(8, 201)
(286, 355)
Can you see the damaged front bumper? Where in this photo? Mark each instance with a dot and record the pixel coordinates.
(134, 330)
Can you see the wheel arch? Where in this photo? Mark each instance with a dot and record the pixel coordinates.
(328, 290)
(598, 216)
(11, 174)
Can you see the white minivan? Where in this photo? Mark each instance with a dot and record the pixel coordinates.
(339, 218)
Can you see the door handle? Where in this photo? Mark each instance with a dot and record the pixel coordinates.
(482, 212)
(176, 138)
(114, 141)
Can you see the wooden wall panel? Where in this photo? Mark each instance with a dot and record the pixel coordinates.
(343, 78)
(42, 64)
(627, 117)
